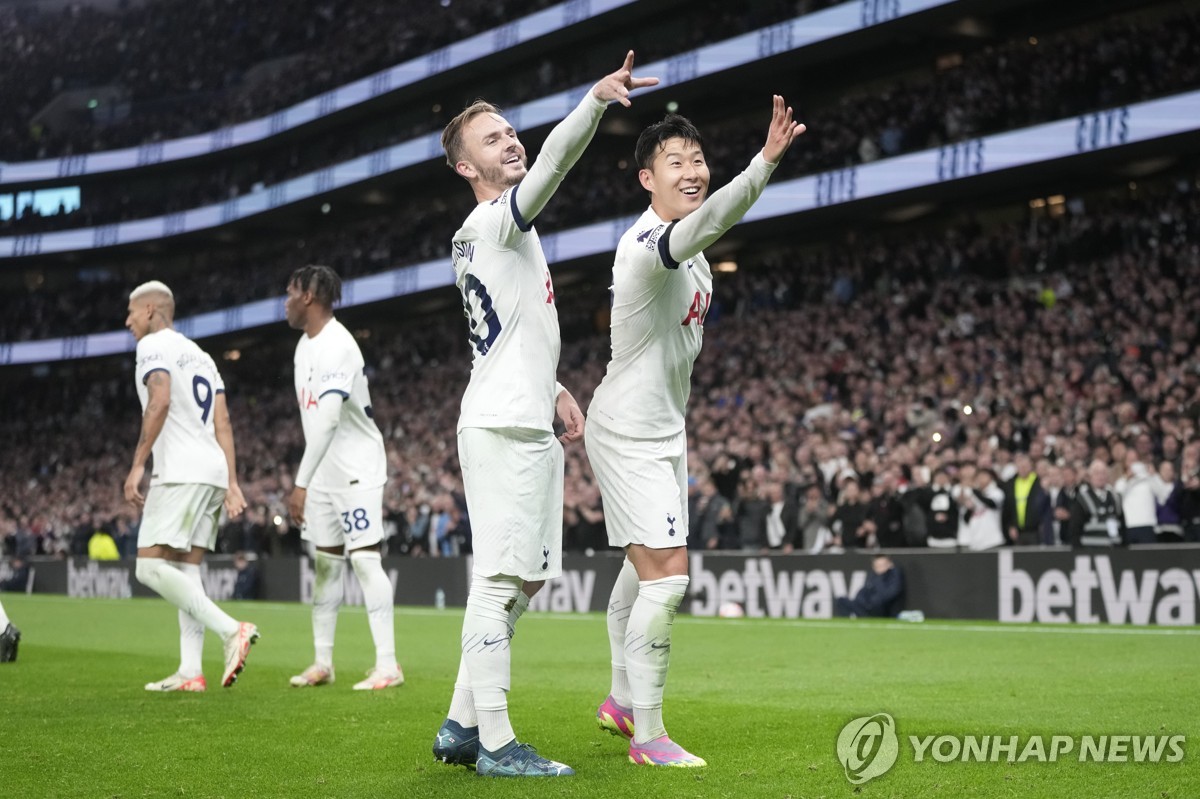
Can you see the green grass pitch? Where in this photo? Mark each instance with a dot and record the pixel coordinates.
(763, 701)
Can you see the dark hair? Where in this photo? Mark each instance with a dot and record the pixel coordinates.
(673, 126)
(322, 281)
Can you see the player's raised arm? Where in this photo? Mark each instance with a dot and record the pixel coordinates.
(728, 205)
(566, 143)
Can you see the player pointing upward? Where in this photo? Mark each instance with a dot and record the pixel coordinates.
(512, 466)
(661, 291)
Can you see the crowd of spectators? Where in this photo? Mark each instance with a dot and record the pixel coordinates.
(604, 185)
(1009, 85)
(186, 68)
(893, 389)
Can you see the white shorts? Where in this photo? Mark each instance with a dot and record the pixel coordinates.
(513, 480)
(353, 519)
(643, 482)
(181, 516)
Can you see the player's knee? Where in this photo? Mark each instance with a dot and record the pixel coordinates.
(531, 587)
(667, 591)
(147, 570)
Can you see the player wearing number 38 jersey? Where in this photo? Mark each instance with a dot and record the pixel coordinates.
(185, 426)
(338, 494)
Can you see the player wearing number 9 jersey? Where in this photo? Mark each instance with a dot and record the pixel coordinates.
(512, 465)
(338, 494)
(185, 426)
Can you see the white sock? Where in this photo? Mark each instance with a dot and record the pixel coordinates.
(517, 611)
(191, 632)
(648, 651)
(381, 605)
(462, 704)
(620, 604)
(4, 620)
(485, 646)
(170, 583)
(328, 592)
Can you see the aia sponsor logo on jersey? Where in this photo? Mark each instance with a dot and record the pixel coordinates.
(307, 399)
(698, 309)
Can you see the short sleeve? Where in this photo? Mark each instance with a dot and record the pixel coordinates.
(151, 357)
(336, 370)
(217, 381)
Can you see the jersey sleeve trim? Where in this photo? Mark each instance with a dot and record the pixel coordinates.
(146, 376)
(522, 225)
(664, 247)
(345, 395)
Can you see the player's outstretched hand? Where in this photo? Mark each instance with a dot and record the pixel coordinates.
(235, 501)
(619, 84)
(572, 418)
(133, 491)
(783, 131)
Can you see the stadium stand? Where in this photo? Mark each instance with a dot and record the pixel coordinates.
(1055, 308)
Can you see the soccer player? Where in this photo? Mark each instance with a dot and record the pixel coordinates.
(512, 465)
(185, 425)
(661, 290)
(338, 495)
(10, 637)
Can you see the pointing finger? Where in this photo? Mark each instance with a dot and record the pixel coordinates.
(628, 65)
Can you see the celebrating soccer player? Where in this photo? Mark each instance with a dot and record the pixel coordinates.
(512, 465)
(338, 494)
(661, 291)
(185, 425)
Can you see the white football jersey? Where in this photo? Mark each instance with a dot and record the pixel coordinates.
(658, 315)
(508, 298)
(186, 451)
(332, 362)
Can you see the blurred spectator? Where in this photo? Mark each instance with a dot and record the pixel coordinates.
(18, 579)
(245, 586)
(813, 519)
(981, 500)
(1028, 514)
(937, 504)
(1096, 519)
(101, 546)
(1138, 492)
(781, 521)
(882, 595)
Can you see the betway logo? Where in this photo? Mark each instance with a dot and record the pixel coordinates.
(763, 592)
(352, 593)
(110, 582)
(1137, 596)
